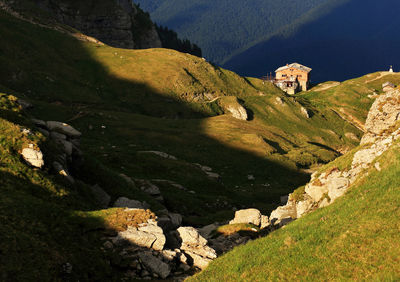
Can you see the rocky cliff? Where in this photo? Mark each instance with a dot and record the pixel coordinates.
(118, 23)
(383, 129)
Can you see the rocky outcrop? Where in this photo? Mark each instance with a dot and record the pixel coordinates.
(118, 23)
(195, 246)
(383, 129)
(145, 251)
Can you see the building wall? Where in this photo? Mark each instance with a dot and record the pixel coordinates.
(302, 76)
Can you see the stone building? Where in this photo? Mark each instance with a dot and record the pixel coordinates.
(293, 78)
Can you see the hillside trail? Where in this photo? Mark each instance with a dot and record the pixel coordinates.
(326, 86)
(381, 74)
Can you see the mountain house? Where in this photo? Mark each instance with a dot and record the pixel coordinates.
(293, 78)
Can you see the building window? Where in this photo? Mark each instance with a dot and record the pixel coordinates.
(284, 75)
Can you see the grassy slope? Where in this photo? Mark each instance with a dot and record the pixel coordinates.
(147, 101)
(45, 223)
(355, 238)
(350, 98)
(134, 94)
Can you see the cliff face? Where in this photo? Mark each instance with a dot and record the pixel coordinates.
(118, 23)
(383, 131)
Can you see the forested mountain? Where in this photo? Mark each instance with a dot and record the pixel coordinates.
(339, 39)
(222, 28)
(356, 37)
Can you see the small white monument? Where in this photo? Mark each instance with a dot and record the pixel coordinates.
(391, 69)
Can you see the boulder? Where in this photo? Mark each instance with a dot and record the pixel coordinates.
(148, 187)
(190, 236)
(238, 112)
(176, 219)
(305, 112)
(33, 156)
(284, 214)
(148, 236)
(264, 222)
(63, 128)
(62, 171)
(100, 195)
(195, 246)
(247, 216)
(155, 265)
(57, 136)
(207, 230)
(39, 122)
(124, 202)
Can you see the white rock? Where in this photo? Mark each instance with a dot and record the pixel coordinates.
(33, 157)
(148, 237)
(283, 214)
(190, 236)
(264, 222)
(238, 112)
(316, 192)
(247, 216)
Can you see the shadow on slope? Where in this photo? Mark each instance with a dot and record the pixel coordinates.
(353, 39)
(65, 81)
(118, 118)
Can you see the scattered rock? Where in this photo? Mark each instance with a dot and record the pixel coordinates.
(238, 112)
(279, 101)
(39, 122)
(155, 265)
(58, 136)
(62, 171)
(283, 215)
(176, 219)
(158, 153)
(247, 216)
(32, 156)
(100, 195)
(305, 112)
(124, 202)
(207, 230)
(195, 246)
(63, 128)
(146, 235)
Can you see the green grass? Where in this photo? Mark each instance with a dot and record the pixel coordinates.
(154, 100)
(125, 102)
(355, 238)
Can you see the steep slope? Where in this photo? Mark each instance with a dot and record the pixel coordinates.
(224, 28)
(358, 32)
(169, 131)
(355, 237)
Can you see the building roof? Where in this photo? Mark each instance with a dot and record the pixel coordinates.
(296, 66)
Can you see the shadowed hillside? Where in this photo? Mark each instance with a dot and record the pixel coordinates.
(153, 115)
(355, 38)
